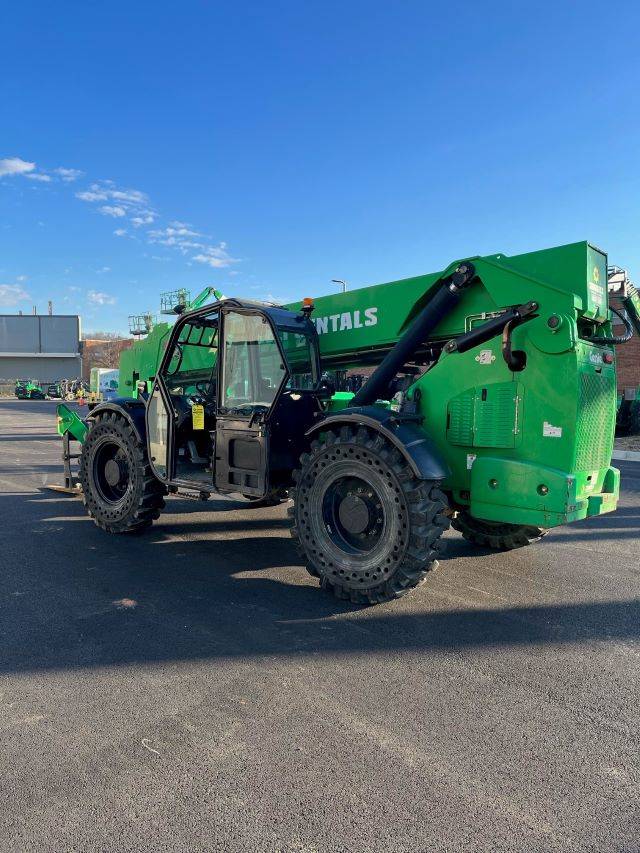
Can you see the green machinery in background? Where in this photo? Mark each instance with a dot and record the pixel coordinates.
(138, 365)
(28, 389)
(491, 403)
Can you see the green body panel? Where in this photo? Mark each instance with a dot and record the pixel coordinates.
(342, 400)
(339, 401)
(141, 361)
(532, 447)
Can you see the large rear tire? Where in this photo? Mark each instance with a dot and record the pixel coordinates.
(494, 534)
(369, 528)
(119, 489)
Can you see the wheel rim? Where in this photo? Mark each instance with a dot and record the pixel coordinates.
(352, 514)
(111, 472)
(334, 556)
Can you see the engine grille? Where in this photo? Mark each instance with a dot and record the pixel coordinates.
(596, 420)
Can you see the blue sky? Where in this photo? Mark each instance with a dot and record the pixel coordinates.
(268, 147)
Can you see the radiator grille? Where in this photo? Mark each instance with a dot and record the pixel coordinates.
(596, 420)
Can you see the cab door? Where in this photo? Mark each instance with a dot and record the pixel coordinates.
(158, 423)
(252, 374)
(185, 379)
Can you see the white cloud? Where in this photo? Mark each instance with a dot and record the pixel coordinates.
(215, 256)
(15, 166)
(172, 235)
(104, 269)
(68, 175)
(104, 190)
(179, 235)
(21, 278)
(97, 297)
(182, 231)
(113, 210)
(126, 202)
(131, 196)
(92, 195)
(145, 218)
(270, 297)
(216, 263)
(12, 294)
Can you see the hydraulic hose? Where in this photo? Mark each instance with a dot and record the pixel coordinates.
(614, 340)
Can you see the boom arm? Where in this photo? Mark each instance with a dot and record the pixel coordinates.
(359, 327)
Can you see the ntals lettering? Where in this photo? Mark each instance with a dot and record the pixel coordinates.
(346, 321)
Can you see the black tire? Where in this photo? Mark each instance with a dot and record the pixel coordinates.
(119, 489)
(493, 534)
(368, 527)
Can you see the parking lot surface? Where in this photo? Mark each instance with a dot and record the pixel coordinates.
(191, 688)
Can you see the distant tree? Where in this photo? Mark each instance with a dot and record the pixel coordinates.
(102, 336)
(102, 349)
(107, 354)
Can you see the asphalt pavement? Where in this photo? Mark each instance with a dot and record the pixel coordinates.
(191, 688)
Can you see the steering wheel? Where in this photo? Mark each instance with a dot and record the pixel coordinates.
(205, 387)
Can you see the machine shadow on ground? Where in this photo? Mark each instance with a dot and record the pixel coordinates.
(78, 597)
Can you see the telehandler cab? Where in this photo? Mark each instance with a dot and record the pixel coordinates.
(491, 406)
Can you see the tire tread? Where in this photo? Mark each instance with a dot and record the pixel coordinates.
(426, 506)
(149, 500)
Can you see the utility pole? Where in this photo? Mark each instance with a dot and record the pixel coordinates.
(341, 282)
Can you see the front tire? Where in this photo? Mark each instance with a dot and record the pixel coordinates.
(494, 534)
(119, 489)
(369, 528)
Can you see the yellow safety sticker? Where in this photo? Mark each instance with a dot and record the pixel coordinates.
(197, 417)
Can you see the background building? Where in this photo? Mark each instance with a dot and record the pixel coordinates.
(43, 347)
(627, 357)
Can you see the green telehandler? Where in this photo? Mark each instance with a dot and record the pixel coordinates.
(489, 404)
(28, 389)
